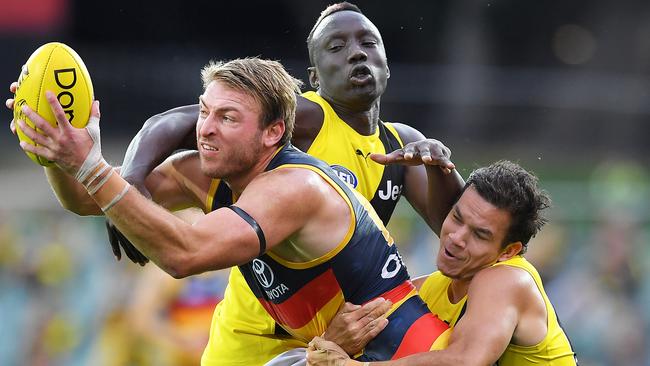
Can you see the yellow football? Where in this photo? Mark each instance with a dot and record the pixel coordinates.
(59, 69)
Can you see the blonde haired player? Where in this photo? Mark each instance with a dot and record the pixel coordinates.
(303, 239)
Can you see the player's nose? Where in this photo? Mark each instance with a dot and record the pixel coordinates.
(357, 53)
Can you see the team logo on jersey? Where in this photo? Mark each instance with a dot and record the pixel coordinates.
(392, 266)
(346, 175)
(263, 273)
(391, 192)
(363, 155)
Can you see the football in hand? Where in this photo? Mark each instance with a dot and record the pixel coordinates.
(59, 69)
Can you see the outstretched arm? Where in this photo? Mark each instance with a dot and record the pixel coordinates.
(432, 183)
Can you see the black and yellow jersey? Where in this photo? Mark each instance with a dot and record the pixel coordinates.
(304, 297)
(346, 151)
(242, 332)
(554, 350)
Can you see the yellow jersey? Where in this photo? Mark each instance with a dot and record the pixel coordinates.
(554, 350)
(242, 332)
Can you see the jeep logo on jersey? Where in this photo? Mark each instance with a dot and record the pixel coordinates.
(345, 175)
(391, 192)
(263, 273)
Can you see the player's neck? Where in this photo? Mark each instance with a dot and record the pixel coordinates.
(457, 290)
(362, 118)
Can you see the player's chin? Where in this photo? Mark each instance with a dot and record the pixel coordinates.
(367, 93)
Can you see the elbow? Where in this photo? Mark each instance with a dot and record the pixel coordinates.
(178, 266)
(79, 208)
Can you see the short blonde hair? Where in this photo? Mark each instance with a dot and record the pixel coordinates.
(266, 81)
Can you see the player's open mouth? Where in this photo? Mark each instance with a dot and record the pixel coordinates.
(448, 254)
(360, 75)
(207, 147)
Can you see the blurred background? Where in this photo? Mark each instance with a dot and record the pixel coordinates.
(561, 87)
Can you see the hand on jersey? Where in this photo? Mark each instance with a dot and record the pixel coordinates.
(355, 325)
(427, 152)
(325, 353)
(70, 148)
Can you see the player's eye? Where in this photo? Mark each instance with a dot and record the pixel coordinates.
(335, 46)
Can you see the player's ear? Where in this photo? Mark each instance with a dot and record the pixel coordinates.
(510, 251)
(313, 77)
(273, 132)
(387, 72)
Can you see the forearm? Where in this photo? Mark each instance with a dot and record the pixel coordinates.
(162, 237)
(442, 191)
(71, 194)
(431, 358)
(159, 137)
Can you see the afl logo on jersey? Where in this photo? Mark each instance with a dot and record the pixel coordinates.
(263, 273)
(345, 175)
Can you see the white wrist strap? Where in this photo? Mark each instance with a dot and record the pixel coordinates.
(94, 157)
(117, 198)
(101, 183)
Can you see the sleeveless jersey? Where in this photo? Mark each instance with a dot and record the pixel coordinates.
(346, 151)
(304, 297)
(554, 349)
(242, 332)
(434, 293)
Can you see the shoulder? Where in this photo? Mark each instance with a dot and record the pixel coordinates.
(506, 282)
(309, 120)
(407, 133)
(185, 167)
(185, 162)
(289, 181)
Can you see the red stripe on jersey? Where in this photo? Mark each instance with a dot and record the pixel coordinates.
(304, 304)
(397, 293)
(420, 336)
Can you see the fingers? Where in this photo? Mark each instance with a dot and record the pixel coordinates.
(94, 109)
(380, 309)
(384, 159)
(38, 138)
(38, 121)
(112, 239)
(38, 150)
(374, 328)
(59, 114)
(10, 103)
(130, 250)
(372, 310)
(348, 307)
(13, 87)
(12, 126)
(318, 343)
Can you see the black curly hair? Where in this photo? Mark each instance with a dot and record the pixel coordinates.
(508, 186)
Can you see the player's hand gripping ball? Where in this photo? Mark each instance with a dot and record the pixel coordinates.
(57, 68)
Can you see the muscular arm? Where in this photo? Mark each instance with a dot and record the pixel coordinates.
(160, 135)
(483, 333)
(221, 238)
(433, 202)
